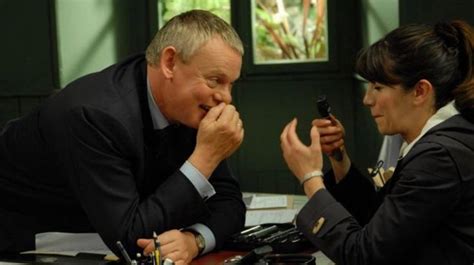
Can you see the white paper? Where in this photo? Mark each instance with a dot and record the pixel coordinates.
(69, 244)
(265, 202)
(322, 259)
(256, 217)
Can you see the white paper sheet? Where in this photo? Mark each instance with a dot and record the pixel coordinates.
(256, 217)
(265, 202)
(69, 244)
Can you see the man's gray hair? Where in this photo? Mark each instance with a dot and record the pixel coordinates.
(188, 31)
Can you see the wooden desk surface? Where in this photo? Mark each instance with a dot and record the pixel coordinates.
(216, 257)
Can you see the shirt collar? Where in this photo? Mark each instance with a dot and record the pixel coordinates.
(159, 121)
(441, 115)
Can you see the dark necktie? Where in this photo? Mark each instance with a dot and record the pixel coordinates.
(164, 155)
(167, 150)
(164, 145)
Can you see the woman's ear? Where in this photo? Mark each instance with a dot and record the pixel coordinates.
(423, 92)
(167, 61)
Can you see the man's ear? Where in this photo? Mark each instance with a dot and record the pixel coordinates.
(167, 61)
(423, 92)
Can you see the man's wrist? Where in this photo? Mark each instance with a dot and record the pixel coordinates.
(198, 240)
(204, 165)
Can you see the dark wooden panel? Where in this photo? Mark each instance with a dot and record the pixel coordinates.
(429, 11)
(266, 107)
(26, 67)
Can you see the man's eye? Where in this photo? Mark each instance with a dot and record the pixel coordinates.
(212, 82)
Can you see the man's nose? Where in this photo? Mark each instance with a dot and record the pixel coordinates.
(223, 96)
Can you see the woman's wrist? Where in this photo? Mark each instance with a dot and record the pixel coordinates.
(340, 168)
(312, 185)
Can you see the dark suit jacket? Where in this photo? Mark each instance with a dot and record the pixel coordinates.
(423, 215)
(86, 161)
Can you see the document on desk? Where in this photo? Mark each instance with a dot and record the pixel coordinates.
(266, 201)
(69, 244)
(256, 217)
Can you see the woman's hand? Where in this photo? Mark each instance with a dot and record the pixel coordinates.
(331, 138)
(302, 159)
(331, 134)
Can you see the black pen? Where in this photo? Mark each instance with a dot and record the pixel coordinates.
(281, 234)
(124, 252)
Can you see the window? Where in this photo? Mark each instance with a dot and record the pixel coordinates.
(279, 36)
(289, 31)
(170, 8)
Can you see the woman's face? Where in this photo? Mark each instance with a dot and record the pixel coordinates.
(390, 107)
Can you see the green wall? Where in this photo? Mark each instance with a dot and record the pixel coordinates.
(86, 32)
(94, 34)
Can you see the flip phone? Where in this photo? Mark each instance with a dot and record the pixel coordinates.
(324, 110)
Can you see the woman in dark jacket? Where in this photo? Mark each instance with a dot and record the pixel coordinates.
(421, 86)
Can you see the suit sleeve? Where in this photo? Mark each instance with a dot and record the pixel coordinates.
(227, 210)
(99, 161)
(355, 192)
(423, 197)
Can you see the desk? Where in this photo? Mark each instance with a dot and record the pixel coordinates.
(213, 258)
(219, 257)
(216, 257)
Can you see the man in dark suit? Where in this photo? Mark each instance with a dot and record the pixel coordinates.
(135, 148)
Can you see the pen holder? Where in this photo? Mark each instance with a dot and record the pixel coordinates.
(283, 238)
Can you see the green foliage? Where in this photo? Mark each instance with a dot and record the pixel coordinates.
(171, 8)
(280, 34)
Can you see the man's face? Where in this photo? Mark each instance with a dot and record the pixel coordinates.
(200, 84)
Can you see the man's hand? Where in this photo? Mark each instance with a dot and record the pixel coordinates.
(178, 246)
(220, 133)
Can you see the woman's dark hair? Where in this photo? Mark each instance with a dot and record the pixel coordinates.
(441, 54)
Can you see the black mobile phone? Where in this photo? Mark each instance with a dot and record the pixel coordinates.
(324, 110)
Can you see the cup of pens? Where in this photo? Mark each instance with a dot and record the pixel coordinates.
(155, 258)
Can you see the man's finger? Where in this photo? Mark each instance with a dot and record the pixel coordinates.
(214, 113)
(228, 114)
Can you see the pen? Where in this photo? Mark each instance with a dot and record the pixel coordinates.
(124, 252)
(281, 234)
(262, 233)
(250, 229)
